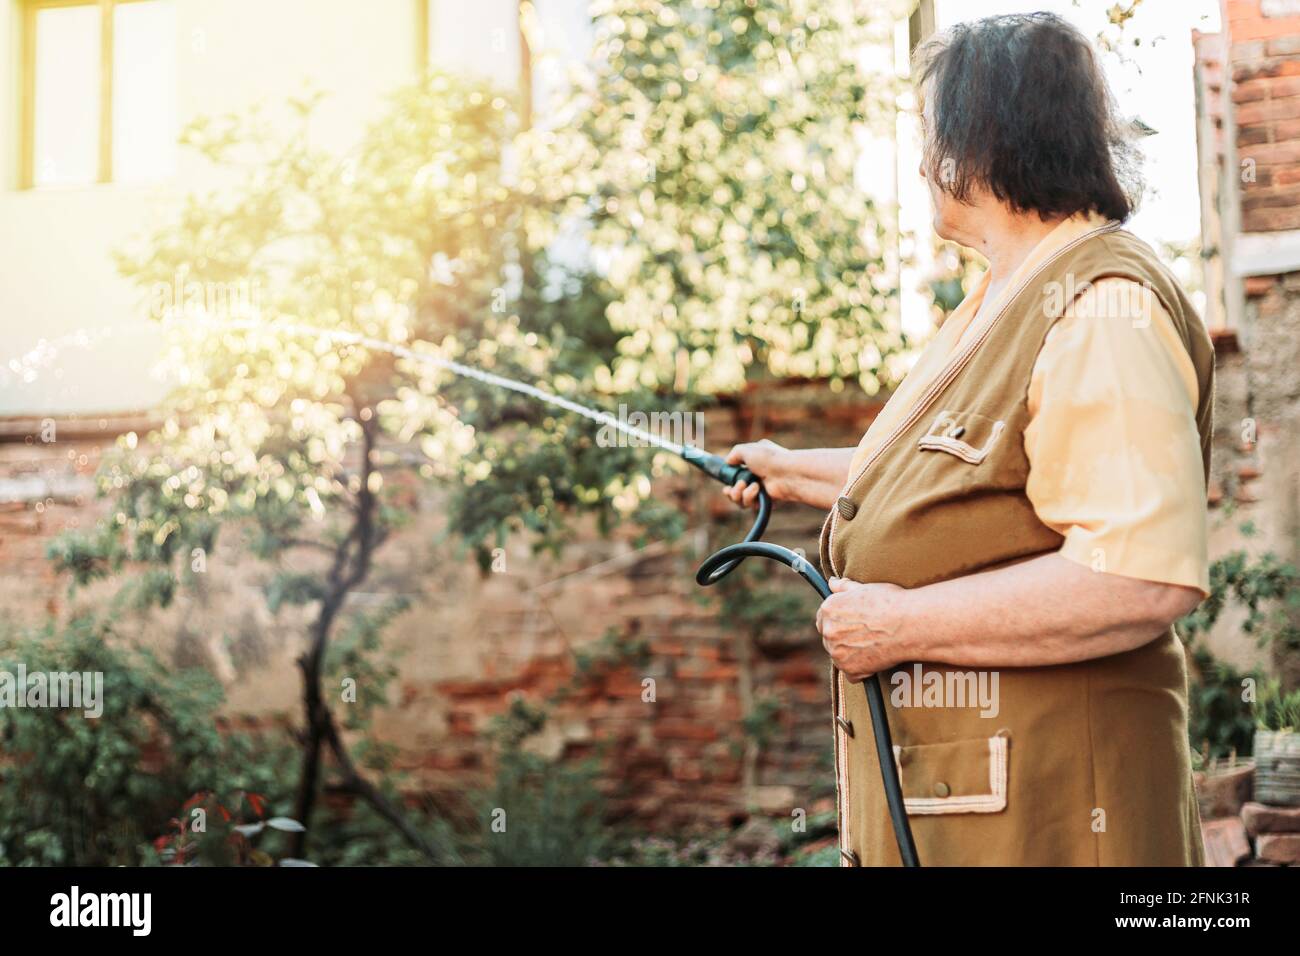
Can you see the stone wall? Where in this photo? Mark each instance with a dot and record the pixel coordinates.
(1249, 143)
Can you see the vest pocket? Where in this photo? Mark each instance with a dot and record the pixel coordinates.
(966, 435)
(964, 776)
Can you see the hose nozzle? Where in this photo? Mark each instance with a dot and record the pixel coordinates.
(716, 467)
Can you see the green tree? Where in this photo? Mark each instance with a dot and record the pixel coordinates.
(712, 155)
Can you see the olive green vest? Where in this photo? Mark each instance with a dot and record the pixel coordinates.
(1083, 764)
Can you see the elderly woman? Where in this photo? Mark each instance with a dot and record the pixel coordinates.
(1016, 532)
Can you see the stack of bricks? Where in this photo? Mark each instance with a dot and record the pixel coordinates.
(1275, 831)
(1239, 831)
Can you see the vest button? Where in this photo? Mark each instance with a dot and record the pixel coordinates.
(941, 789)
(845, 725)
(850, 858)
(846, 507)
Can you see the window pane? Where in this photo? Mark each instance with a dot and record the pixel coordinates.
(144, 91)
(67, 96)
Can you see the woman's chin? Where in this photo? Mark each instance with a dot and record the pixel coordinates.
(943, 228)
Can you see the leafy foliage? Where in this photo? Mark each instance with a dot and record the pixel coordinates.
(1266, 587)
(94, 791)
(218, 831)
(1278, 710)
(712, 154)
(538, 811)
(1223, 716)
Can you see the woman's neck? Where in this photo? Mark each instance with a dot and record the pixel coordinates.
(1006, 238)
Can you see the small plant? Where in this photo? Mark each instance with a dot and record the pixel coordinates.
(1278, 711)
(538, 811)
(223, 832)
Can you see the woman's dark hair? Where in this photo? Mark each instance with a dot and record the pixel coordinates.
(1019, 106)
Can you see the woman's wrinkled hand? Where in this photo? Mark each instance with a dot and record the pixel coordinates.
(768, 461)
(862, 626)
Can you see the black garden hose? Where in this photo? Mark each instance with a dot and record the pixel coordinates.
(721, 563)
(716, 467)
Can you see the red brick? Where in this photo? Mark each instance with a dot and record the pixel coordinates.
(722, 672)
(1281, 87)
(1221, 794)
(1247, 494)
(1268, 154)
(1284, 46)
(627, 686)
(1237, 9)
(1251, 90)
(1225, 840)
(677, 728)
(1214, 494)
(1261, 818)
(1256, 286)
(1276, 205)
(1269, 220)
(1239, 52)
(1249, 31)
(1279, 848)
(1249, 137)
(802, 669)
(1264, 111)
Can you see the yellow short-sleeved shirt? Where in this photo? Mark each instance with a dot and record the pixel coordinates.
(1112, 443)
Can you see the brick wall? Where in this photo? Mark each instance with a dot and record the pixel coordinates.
(470, 641)
(1265, 75)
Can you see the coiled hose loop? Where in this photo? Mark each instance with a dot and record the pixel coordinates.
(722, 562)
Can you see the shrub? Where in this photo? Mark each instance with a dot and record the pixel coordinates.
(95, 791)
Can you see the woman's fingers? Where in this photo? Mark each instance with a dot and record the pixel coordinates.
(757, 457)
(741, 493)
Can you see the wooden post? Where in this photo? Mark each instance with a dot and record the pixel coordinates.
(27, 132)
(525, 67)
(105, 91)
(422, 36)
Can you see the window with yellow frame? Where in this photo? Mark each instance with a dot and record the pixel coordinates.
(98, 92)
